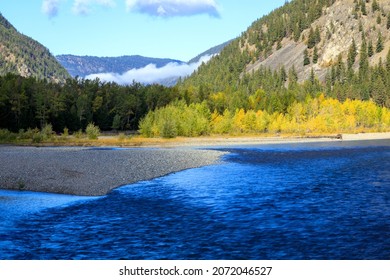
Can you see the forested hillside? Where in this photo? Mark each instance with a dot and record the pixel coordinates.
(309, 67)
(22, 55)
(342, 46)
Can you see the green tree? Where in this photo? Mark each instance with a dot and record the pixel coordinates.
(315, 55)
(93, 132)
(363, 63)
(379, 44)
(352, 55)
(311, 40)
(379, 19)
(388, 63)
(363, 7)
(379, 91)
(306, 58)
(117, 122)
(375, 6)
(388, 21)
(42, 106)
(370, 49)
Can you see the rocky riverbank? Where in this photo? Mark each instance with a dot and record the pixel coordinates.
(92, 171)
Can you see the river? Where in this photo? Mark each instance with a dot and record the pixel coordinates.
(288, 201)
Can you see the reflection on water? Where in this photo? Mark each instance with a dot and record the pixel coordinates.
(317, 201)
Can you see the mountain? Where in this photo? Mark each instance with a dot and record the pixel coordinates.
(305, 37)
(83, 66)
(210, 52)
(126, 69)
(24, 56)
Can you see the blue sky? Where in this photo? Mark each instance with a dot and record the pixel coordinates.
(178, 29)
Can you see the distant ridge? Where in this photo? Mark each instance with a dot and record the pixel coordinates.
(83, 66)
(26, 57)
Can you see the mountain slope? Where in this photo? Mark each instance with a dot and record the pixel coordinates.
(83, 66)
(302, 36)
(24, 56)
(210, 52)
(338, 28)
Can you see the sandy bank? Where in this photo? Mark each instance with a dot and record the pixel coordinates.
(366, 136)
(89, 171)
(224, 141)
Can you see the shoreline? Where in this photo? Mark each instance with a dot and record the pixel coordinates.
(95, 171)
(221, 141)
(92, 171)
(201, 142)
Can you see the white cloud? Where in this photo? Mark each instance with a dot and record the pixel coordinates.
(50, 7)
(161, 8)
(171, 8)
(150, 73)
(83, 7)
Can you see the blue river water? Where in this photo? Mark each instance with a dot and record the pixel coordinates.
(289, 201)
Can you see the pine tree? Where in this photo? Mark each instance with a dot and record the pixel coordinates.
(361, 29)
(312, 77)
(315, 55)
(388, 62)
(375, 6)
(379, 91)
(370, 51)
(379, 44)
(352, 54)
(283, 74)
(312, 40)
(388, 21)
(317, 35)
(363, 63)
(363, 7)
(306, 58)
(292, 76)
(379, 19)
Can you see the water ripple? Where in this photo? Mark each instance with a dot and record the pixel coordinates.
(275, 202)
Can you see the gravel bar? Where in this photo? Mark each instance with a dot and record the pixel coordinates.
(92, 171)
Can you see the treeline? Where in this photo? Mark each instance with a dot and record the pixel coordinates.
(30, 103)
(313, 116)
(275, 91)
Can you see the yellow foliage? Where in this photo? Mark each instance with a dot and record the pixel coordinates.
(262, 121)
(385, 119)
(317, 124)
(367, 114)
(297, 112)
(276, 123)
(221, 124)
(238, 121)
(315, 115)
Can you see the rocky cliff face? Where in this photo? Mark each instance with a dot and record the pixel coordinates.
(340, 25)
